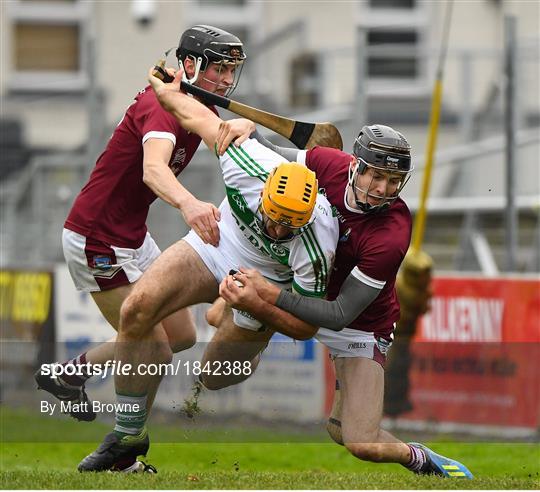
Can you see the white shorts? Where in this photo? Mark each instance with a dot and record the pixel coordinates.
(219, 262)
(95, 265)
(354, 343)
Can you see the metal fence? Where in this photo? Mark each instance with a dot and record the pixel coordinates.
(469, 164)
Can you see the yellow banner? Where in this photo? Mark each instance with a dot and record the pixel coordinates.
(25, 296)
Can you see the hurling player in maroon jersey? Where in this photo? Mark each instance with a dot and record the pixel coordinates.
(105, 238)
(358, 318)
(189, 272)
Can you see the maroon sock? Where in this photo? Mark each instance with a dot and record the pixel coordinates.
(76, 371)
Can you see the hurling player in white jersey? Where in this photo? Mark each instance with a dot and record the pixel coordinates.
(264, 194)
(273, 219)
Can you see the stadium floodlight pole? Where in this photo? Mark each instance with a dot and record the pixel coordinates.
(436, 99)
(511, 218)
(361, 97)
(93, 109)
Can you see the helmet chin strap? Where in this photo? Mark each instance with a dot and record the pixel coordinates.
(193, 79)
(216, 84)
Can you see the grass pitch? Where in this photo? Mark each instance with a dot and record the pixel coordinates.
(32, 457)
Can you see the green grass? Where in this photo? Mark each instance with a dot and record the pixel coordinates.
(23, 426)
(236, 465)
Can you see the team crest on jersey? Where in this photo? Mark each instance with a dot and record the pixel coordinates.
(240, 202)
(345, 235)
(101, 262)
(383, 345)
(104, 267)
(279, 250)
(177, 162)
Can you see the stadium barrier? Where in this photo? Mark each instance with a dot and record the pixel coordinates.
(476, 355)
(27, 316)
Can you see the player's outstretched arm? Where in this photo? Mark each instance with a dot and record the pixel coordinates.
(190, 113)
(246, 298)
(353, 298)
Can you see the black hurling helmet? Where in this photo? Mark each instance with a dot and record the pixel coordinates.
(383, 149)
(208, 44)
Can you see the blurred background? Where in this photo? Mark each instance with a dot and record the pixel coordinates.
(70, 68)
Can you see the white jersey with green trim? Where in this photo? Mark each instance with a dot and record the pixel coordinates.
(306, 260)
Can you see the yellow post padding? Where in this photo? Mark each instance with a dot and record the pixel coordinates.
(420, 220)
(413, 287)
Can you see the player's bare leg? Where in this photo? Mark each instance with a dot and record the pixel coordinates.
(356, 418)
(108, 302)
(234, 345)
(157, 293)
(361, 390)
(180, 329)
(216, 312)
(181, 335)
(333, 424)
(177, 279)
(179, 326)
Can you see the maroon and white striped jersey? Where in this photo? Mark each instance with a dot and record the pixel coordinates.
(113, 205)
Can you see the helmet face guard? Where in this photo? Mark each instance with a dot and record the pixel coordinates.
(293, 231)
(205, 45)
(288, 199)
(386, 151)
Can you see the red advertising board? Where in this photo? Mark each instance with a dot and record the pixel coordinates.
(465, 309)
(476, 355)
